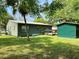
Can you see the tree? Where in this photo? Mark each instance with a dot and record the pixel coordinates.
(50, 9)
(69, 11)
(41, 20)
(25, 7)
(55, 5)
(4, 17)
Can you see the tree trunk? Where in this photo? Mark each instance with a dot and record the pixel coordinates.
(27, 28)
(5, 29)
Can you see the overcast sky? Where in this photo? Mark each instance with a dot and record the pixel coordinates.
(18, 15)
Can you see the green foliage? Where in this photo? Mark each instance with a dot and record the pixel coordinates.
(14, 4)
(4, 17)
(40, 20)
(4, 20)
(11, 3)
(70, 9)
(28, 6)
(24, 6)
(55, 5)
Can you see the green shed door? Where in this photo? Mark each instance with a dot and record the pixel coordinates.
(67, 30)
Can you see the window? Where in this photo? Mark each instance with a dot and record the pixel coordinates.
(23, 28)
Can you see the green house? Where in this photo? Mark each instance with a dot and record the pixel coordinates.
(18, 28)
(70, 30)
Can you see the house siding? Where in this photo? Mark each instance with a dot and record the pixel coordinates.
(67, 30)
(12, 28)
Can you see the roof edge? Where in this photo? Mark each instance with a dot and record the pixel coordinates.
(34, 23)
(71, 23)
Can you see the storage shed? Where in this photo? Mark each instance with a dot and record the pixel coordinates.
(18, 28)
(70, 30)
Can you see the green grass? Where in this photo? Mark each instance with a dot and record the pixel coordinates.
(7, 37)
(40, 47)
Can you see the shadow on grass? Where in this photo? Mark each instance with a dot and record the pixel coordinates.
(23, 41)
(54, 51)
(49, 50)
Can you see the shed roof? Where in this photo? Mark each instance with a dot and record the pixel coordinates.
(34, 23)
(70, 23)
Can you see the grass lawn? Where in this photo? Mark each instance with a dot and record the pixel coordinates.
(40, 47)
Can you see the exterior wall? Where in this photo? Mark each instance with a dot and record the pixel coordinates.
(33, 29)
(12, 28)
(67, 30)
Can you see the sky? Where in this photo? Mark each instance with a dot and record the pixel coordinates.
(18, 16)
(42, 1)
